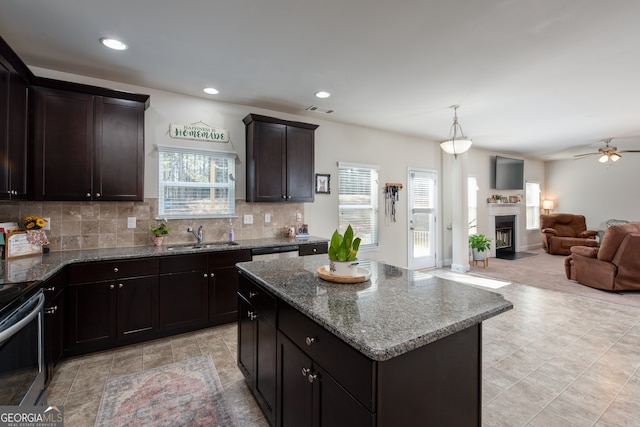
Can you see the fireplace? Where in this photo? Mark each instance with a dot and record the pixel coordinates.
(497, 211)
(505, 237)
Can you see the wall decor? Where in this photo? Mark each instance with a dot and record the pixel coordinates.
(322, 183)
(199, 131)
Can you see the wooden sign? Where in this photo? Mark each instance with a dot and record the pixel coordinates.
(17, 245)
(199, 132)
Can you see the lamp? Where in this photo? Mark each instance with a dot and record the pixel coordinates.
(609, 156)
(456, 144)
(548, 205)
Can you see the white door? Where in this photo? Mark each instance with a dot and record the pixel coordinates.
(422, 218)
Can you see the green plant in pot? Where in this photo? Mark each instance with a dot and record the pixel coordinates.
(343, 251)
(480, 245)
(159, 231)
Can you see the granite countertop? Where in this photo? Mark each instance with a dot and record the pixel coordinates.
(394, 312)
(40, 267)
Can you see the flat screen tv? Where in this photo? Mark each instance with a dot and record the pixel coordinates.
(508, 174)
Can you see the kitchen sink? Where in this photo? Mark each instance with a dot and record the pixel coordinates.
(191, 247)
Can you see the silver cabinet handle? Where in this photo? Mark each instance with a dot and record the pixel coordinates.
(51, 289)
(205, 275)
(88, 194)
(312, 377)
(252, 315)
(112, 286)
(98, 194)
(120, 285)
(51, 310)
(306, 371)
(310, 340)
(115, 269)
(252, 294)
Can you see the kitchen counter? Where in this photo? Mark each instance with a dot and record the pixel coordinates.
(41, 267)
(393, 313)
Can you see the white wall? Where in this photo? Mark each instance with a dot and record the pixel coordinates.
(598, 191)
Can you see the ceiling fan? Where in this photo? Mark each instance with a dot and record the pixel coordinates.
(607, 153)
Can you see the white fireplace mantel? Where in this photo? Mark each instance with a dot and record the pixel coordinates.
(502, 209)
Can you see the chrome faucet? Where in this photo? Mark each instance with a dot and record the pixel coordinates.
(198, 234)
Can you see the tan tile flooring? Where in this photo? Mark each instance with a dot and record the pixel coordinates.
(554, 360)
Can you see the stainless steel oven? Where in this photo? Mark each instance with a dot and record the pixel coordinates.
(22, 375)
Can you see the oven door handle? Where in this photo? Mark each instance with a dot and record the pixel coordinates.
(9, 332)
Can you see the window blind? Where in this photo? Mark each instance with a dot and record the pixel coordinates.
(358, 201)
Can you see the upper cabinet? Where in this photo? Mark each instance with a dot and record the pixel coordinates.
(280, 160)
(14, 92)
(87, 147)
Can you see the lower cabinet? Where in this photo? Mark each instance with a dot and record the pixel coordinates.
(309, 396)
(105, 313)
(257, 344)
(54, 293)
(183, 292)
(223, 285)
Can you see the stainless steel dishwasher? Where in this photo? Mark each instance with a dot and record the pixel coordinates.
(275, 252)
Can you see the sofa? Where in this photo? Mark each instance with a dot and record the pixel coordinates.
(614, 266)
(561, 231)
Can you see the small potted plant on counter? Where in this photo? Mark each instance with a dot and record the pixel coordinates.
(343, 251)
(480, 245)
(159, 231)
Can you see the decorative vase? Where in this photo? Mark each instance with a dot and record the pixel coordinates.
(479, 256)
(157, 240)
(343, 268)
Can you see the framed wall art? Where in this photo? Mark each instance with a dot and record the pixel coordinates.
(322, 183)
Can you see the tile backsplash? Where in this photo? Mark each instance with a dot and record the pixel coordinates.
(96, 225)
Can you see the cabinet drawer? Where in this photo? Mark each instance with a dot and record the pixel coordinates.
(263, 303)
(228, 258)
(183, 263)
(314, 248)
(110, 270)
(351, 369)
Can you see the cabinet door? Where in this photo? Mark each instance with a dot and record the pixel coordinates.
(268, 145)
(333, 406)
(246, 340)
(53, 332)
(4, 126)
(300, 165)
(183, 300)
(137, 315)
(17, 142)
(91, 312)
(62, 152)
(223, 300)
(295, 393)
(119, 150)
(265, 368)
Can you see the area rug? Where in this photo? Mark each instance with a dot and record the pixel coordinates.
(186, 393)
(547, 271)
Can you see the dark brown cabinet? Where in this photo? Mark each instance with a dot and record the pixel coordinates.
(223, 285)
(313, 248)
(111, 303)
(14, 95)
(257, 344)
(54, 292)
(87, 147)
(184, 292)
(280, 160)
(309, 396)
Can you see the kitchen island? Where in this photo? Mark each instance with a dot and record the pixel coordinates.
(402, 348)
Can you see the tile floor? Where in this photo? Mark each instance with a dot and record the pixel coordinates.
(554, 360)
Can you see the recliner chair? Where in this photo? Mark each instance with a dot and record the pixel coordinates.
(561, 231)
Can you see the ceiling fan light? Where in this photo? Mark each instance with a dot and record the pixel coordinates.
(603, 159)
(615, 156)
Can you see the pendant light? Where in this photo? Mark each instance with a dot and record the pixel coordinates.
(457, 143)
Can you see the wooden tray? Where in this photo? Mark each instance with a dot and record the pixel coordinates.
(325, 274)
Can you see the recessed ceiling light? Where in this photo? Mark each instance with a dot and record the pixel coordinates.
(211, 91)
(323, 94)
(113, 43)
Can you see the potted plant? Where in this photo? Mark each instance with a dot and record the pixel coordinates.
(159, 231)
(343, 251)
(480, 244)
